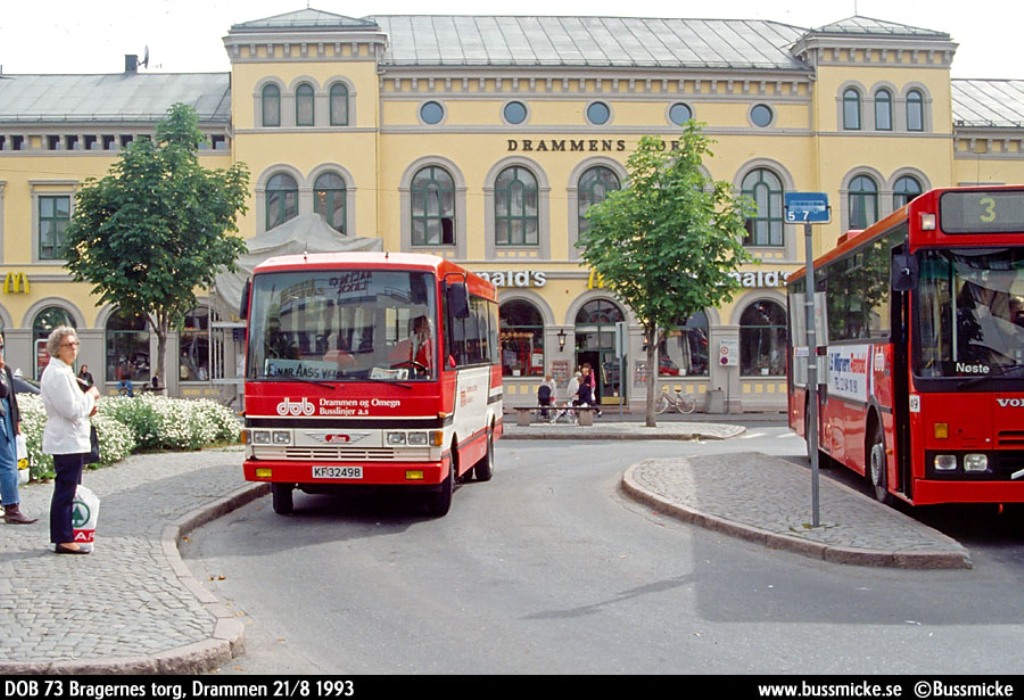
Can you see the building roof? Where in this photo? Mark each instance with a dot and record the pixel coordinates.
(988, 103)
(429, 40)
(866, 25)
(307, 19)
(121, 97)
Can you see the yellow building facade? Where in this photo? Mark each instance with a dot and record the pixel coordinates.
(484, 139)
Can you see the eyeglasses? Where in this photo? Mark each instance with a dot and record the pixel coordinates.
(72, 344)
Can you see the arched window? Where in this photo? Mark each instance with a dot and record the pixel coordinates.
(594, 186)
(127, 348)
(270, 102)
(684, 351)
(765, 228)
(851, 109)
(863, 202)
(883, 110)
(282, 199)
(45, 321)
(915, 111)
(516, 208)
(329, 200)
(339, 104)
(304, 110)
(905, 189)
(433, 207)
(522, 339)
(763, 340)
(194, 341)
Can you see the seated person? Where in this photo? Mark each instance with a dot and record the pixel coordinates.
(416, 350)
(124, 386)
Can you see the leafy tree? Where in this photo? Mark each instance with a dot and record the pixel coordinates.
(667, 242)
(158, 226)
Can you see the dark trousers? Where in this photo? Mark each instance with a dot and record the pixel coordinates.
(69, 476)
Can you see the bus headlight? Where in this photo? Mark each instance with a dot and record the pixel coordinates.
(396, 438)
(282, 437)
(260, 437)
(945, 463)
(975, 462)
(418, 439)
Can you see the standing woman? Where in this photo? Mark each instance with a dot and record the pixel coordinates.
(10, 427)
(66, 435)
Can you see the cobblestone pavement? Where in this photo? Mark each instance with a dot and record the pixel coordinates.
(134, 607)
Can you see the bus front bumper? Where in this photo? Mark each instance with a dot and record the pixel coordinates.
(342, 474)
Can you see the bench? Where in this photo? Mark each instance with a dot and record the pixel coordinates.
(584, 414)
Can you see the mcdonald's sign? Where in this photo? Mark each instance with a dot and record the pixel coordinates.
(16, 283)
(595, 280)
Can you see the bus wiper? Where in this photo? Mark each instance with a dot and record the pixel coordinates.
(1005, 372)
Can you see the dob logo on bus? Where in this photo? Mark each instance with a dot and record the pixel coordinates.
(295, 408)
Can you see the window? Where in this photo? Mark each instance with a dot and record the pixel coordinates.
(282, 200)
(514, 112)
(883, 110)
(851, 110)
(684, 350)
(127, 348)
(680, 113)
(761, 115)
(45, 321)
(599, 312)
(304, 109)
(329, 200)
(522, 340)
(765, 228)
(54, 217)
(431, 113)
(516, 210)
(474, 340)
(194, 344)
(915, 111)
(339, 104)
(857, 292)
(433, 207)
(595, 184)
(598, 113)
(763, 340)
(905, 189)
(863, 202)
(271, 105)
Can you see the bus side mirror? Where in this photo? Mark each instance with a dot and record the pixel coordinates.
(904, 272)
(458, 300)
(243, 307)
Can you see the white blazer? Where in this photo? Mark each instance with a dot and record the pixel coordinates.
(67, 410)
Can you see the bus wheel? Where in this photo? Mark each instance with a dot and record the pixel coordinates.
(484, 469)
(441, 502)
(876, 467)
(282, 497)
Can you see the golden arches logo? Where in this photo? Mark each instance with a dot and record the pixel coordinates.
(15, 283)
(595, 280)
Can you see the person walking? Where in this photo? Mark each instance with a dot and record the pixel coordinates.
(590, 379)
(66, 433)
(10, 427)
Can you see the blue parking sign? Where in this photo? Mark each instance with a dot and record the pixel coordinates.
(807, 208)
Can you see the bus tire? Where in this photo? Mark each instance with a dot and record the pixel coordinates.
(484, 469)
(281, 495)
(441, 502)
(876, 466)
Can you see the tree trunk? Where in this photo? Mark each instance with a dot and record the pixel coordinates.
(651, 338)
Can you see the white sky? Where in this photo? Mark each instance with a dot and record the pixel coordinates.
(184, 36)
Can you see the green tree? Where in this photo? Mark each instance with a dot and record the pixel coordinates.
(158, 226)
(667, 242)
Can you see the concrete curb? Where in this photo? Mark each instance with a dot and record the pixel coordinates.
(773, 540)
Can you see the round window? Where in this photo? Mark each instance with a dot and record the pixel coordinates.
(515, 112)
(431, 112)
(598, 113)
(680, 113)
(762, 115)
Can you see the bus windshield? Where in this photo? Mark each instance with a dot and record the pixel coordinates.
(969, 313)
(341, 325)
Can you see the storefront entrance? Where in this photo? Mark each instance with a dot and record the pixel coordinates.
(595, 345)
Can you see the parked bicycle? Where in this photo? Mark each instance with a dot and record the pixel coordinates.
(682, 403)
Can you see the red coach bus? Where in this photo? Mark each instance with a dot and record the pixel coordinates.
(370, 369)
(921, 357)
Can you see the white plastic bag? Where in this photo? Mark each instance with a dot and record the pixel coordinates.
(85, 512)
(23, 463)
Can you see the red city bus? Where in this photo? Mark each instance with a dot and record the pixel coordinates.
(921, 349)
(370, 369)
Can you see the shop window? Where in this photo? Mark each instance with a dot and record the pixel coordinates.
(883, 110)
(194, 343)
(45, 321)
(763, 340)
(433, 207)
(915, 111)
(127, 348)
(339, 104)
(598, 312)
(863, 202)
(851, 110)
(594, 186)
(329, 200)
(765, 227)
(522, 339)
(304, 109)
(282, 200)
(516, 208)
(905, 189)
(270, 104)
(54, 217)
(684, 350)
